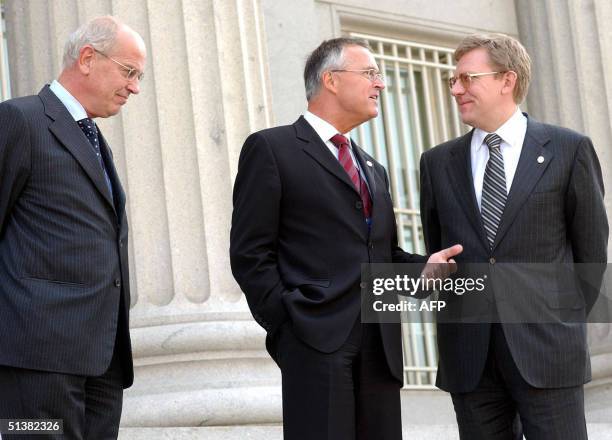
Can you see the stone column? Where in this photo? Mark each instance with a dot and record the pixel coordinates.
(199, 356)
(570, 42)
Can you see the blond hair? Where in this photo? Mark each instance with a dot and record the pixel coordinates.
(505, 54)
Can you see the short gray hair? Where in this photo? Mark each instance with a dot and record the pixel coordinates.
(100, 33)
(329, 55)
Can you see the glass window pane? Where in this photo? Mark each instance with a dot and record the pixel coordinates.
(417, 112)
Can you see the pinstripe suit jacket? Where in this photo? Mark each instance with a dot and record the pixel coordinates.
(64, 289)
(554, 214)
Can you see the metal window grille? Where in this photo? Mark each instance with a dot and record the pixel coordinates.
(4, 68)
(417, 112)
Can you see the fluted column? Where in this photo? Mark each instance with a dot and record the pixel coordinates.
(199, 355)
(570, 42)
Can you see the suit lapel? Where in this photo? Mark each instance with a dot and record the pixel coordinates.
(68, 133)
(316, 149)
(118, 193)
(367, 169)
(460, 171)
(528, 172)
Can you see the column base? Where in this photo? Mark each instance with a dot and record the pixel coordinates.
(210, 373)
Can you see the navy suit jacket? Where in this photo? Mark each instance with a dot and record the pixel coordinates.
(554, 214)
(64, 288)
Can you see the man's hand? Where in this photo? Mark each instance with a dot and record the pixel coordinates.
(441, 264)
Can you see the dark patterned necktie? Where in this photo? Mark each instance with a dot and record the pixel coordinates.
(90, 130)
(345, 159)
(494, 194)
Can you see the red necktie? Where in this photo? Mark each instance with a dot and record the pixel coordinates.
(344, 156)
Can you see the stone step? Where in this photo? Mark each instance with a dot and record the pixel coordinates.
(418, 420)
(417, 405)
(597, 431)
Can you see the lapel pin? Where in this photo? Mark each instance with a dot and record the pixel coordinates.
(368, 163)
(540, 159)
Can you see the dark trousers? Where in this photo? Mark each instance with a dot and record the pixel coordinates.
(346, 395)
(90, 407)
(490, 411)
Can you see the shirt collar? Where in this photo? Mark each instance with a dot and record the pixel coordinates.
(323, 128)
(77, 111)
(509, 131)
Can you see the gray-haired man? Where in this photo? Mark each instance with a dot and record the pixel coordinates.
(309, 207)
(64, 295)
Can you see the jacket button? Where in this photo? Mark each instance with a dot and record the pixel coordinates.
(117, 282)
(363, 285)
(359, 204)
(120, 243)
(492, 260)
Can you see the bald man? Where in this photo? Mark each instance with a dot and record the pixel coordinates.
(65, 349)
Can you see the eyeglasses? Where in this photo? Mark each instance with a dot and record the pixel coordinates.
(466, 78)
(131, 73)
(371, 74)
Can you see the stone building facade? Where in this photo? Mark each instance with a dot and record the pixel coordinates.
(220, 69)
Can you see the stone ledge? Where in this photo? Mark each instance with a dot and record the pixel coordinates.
(597, 431)
(208, 433)
(246, 406)
(260, 406)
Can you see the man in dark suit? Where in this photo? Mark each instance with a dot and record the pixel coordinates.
(65, 348)
(514, 190)
(309, 207)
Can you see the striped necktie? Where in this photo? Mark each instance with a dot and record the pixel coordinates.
(90, 130)
(494, 193)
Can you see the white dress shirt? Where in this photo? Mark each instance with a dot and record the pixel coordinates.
(512, 133)
(74, 107)
(326, 131)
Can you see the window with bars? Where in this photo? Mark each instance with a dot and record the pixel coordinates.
(417, 112)
(4, 68)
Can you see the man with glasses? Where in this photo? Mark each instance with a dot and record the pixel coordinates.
(514, 190)
(310, 206)
(65, 349)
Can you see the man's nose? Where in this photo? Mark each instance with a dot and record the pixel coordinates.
(457, 89)
(134, 86)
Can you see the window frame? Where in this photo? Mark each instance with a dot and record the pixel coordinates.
(404, 129)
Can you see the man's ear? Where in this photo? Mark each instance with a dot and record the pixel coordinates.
(329, 82)
(86, 59)
(509, 79)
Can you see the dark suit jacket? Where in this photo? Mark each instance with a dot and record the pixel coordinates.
(299, 237)
(64, 289)
(554, 214)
